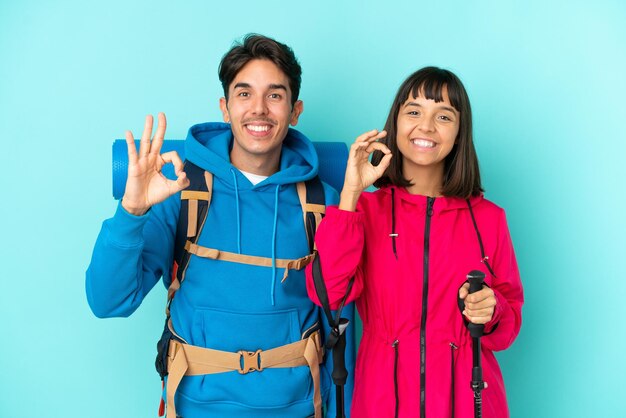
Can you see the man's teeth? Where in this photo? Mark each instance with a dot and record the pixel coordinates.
(423, 143)
(258, 128)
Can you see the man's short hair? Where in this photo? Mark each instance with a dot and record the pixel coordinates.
(256, 46)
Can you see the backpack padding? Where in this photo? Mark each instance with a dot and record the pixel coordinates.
(314, 195)
(197, 183)
(333, 157)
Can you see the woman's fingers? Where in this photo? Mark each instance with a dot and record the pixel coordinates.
(479, 319)
(377, 146)
(383, 164)
(479, 306)
(482, 296)
(365, 136)
(367, 144)
(370, 136)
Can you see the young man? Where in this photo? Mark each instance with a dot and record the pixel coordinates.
(242, 338)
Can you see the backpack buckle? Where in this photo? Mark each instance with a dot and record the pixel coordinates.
(249, 361)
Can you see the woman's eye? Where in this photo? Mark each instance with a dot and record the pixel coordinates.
(413, 113)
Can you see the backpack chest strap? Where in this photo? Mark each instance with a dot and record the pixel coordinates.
(253, 260)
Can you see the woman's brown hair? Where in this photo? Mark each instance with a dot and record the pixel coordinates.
(461, 172)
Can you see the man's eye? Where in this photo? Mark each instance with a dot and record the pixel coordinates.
(275, 96)
(244, 94)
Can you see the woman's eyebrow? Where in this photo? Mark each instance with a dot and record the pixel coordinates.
(448, 108)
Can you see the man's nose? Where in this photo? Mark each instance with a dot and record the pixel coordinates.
(259, 106)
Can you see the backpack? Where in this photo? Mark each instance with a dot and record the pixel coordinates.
(195, 204)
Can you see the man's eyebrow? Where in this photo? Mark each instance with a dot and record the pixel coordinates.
(449, 109)
(278, 86)
(271, 86)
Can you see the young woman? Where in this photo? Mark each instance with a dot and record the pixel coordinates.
(409, 247)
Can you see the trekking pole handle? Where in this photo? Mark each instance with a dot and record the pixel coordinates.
(340, 373)
(476, 279)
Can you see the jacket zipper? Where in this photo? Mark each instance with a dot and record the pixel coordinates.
(395, 345)
(452, 348)
(429, 214)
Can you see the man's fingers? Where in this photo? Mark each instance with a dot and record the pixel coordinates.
(181, 182)
(132, 150)
(174, 158)
(144, 146)
(159, 135)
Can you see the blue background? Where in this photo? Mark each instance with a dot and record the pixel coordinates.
(547, 84)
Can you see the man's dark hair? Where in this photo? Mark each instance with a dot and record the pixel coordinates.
(256, 46)
(461, 173)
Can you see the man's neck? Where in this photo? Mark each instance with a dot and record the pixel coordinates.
(259, 165)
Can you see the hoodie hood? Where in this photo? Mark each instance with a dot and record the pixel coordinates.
(441, 204)
(208, 146)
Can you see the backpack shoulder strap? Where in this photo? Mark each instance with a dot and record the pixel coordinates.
(194, 207)
(313, 202)
(312, 199)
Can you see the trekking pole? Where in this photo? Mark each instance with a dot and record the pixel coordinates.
(336, 340)
(476, 278)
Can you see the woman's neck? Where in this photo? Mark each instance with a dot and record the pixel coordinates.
(427, 181)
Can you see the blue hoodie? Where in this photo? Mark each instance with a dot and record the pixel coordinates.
(223, 305)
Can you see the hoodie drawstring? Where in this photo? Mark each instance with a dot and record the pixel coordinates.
(393, 234)
(274, 243)
(273, 230)
(237, 206)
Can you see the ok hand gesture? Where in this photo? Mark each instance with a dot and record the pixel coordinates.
(360, 173)
(146, 185)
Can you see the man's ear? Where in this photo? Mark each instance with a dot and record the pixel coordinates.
(224, 109)
(298, 108)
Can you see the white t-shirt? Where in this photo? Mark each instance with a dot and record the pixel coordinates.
(254, 178)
